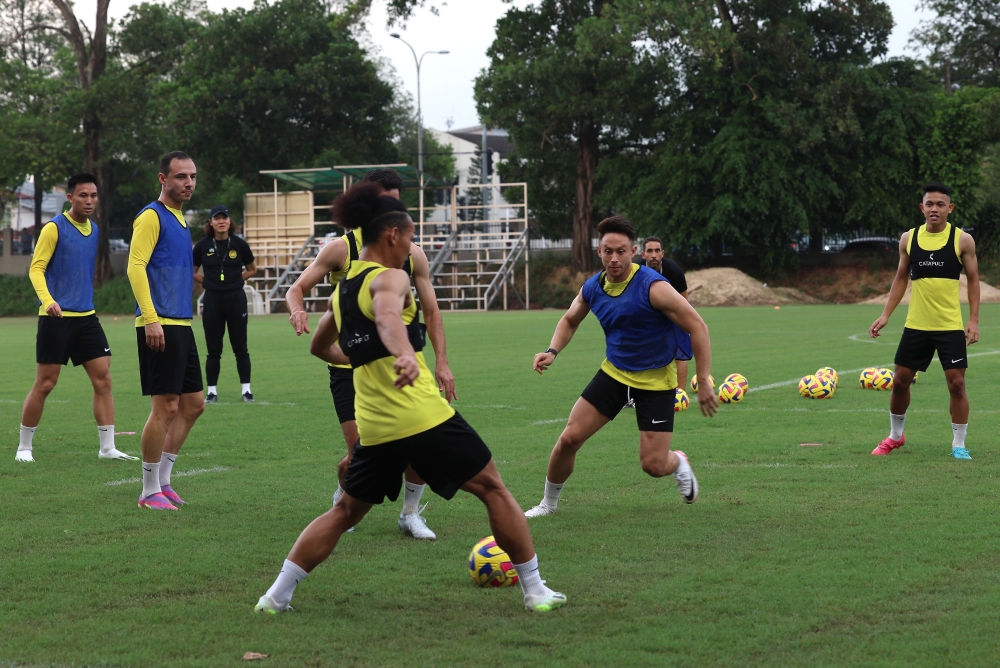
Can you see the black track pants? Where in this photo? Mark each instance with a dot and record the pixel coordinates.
(219, 310)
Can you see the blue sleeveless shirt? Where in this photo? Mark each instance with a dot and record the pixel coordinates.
(170, 270)
(639, 337)
(70, 273)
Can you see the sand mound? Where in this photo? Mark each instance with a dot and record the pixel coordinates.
(724, 286)
(987, 293)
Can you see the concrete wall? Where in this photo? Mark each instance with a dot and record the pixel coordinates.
(17, 265)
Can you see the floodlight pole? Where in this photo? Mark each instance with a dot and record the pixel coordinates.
(420, 118)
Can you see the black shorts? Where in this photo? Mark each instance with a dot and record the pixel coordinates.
(654, 409)
(79, 338)
(446, 457)
(342, 389)
(177, 369)
(917, 347)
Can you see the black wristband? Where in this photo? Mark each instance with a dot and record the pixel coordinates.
(553, 351)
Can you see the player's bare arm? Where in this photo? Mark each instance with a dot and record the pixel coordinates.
(435, 324)
(897, 290)
(967, 248)
(390, 295)
(324, 344)
(250, 270)
(670, 303)
(331, 257)
(565, 329)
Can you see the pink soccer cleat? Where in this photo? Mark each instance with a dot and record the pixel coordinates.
(156, 502)
(171, 495)
(888, 445)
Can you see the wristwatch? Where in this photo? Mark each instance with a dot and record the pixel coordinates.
(553, 351)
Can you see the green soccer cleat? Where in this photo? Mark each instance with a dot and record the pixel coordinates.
(547, 603)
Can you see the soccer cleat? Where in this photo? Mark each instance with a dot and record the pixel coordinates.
(267, 604)
(247, 398)
(960, 453)
(541, 510)
(415, 525)
(23, 456)
(156, 502)
(546, 603)
(211, 398)
(115, 453)
(888, 445)
(171, 495)
(687, 484)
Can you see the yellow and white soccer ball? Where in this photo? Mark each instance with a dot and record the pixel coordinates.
(731, 393)
(830, 373)
(739, 379)
(490, 566)
(694, 382)
(883, 379)
(813, 387)
(867, 378)
(681, 400)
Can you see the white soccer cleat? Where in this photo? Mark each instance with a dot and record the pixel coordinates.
(267, 604)
(687, 484)
(541, 510)
(545, 603)
(415, 525)
(115, 453)
(23, 456)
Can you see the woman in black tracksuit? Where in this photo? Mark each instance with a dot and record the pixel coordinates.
(226, 261)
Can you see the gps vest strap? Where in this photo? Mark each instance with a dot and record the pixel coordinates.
(924, 264)
(359, 337)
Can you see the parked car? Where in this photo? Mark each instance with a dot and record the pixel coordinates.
(118, 245)
(871, 244)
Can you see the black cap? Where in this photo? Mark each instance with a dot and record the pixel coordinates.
(217, 209)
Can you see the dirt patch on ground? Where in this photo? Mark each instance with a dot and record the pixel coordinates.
(987, 293)
(724, 286)
(840, 285)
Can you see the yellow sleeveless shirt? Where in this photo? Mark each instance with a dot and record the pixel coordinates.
(384, 412)
(934, 302)
(337, 276)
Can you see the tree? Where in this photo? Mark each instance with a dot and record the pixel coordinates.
(572, 82)
(964, 41)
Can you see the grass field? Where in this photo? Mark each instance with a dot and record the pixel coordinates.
(791, 556)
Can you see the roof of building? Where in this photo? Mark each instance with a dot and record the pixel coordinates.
(339, 177)
(497, 140)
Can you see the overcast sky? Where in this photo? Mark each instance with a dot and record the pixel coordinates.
(466, 29)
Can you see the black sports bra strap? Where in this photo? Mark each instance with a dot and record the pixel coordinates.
(352, 245)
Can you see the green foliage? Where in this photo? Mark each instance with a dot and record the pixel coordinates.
(115, 296)
(17, 297)
(963, 36)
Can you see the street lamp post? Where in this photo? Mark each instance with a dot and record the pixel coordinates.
(420, 118)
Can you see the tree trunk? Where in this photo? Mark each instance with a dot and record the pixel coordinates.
(815, 239)
(106, 187)
(583, 212)
(39, 196)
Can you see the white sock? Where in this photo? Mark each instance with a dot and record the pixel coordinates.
(552, 492)
(106, 435)
(284, 586)
(957, 435)
(27, 433)
(150, 479)
(212, 389)
(531, 581)
(411, 497)
(339, 493)
(246, 388)
(896, 426)
(166, 466)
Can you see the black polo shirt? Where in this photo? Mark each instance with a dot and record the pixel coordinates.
(671, 271)
(223, 258)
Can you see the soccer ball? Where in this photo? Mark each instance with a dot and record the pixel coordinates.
(867, 378)
(681, 401)
(489, 566)
(813, 387)
(830, 373)
(883, 379)
(739, 379)
(694, 382)
(731, 393)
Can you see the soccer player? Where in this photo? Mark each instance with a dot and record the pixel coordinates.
(161, 271)
(402, 419)
(227, 262)
(653, 257)
(334, 260)
(647, 325)
(934, 318)
(62, 273)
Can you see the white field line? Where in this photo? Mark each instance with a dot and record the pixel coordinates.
(563, 420)
(495, 406)
(854, 337)
(794, 381)
(176, 474)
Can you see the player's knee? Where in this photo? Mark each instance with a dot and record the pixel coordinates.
(956, 386)
(569, 441)
(45, 386)
(655, 467)
(195, 409)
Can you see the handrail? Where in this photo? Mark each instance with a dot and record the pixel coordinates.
(445, 249)
(272, 295)
(505, 268)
